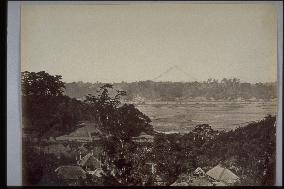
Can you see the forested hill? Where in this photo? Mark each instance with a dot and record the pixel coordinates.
(211, 89)
(249, 151)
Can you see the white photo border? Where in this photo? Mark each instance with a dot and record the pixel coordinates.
(14, 132)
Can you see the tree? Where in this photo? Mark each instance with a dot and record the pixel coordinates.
(41, 84)
(39, 96)
(46, 108)
(119, 123)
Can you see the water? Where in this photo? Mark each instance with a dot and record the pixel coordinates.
(181, 118)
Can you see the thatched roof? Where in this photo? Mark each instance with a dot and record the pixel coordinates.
(84, 132)
(70, 172)
(180, 184)
(56, 148)
(89, 159)
(222, 174)
(143, 133)
(183, 178)
(198, 171)
(82, 149)
(143, 137)
(158, 178)
(200, 181)
(219, 183)
(98, 172)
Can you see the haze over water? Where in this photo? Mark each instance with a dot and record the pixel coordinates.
(181, 118)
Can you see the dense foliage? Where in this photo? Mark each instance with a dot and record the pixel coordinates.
(47, 111)
(248, 151)
(176, 154)
(225, 89)
(38, 168)
(119, 123)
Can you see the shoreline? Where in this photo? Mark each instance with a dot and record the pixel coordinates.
(186, 102)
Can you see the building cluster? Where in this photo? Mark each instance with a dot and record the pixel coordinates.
(87, 162)
(87, 166)
(217, 176)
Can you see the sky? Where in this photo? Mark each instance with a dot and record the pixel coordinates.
(114, 43)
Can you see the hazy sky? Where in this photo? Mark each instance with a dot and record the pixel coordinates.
(139, 42)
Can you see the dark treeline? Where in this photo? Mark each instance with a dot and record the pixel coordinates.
(227, 89)
(49, 112)
(46, 111)
(249, 151)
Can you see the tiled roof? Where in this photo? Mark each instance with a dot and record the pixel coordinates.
(219, 183)
(143, 136)
(71, 172)
(84, 132)
(222, 174)
(198, 170)
(89, 158)
(201, 181)
(98, 172)
(180, 184)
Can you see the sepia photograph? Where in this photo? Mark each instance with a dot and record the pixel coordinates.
(149, 94)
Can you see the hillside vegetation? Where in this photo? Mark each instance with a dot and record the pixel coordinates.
(249, 151)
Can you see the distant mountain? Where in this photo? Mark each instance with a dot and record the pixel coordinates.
(175, 74)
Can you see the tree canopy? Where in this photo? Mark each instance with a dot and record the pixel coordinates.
(119, 123)
(41, 84)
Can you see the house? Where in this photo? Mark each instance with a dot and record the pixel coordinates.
(51, 139)
(56, 148)
(143, 138)
(80, 152)
(97, 173)
(82, 149)
(182, 180)
(221, 174)
(180, 184)
(199, 172)
(152, 167)
(30, 136)
(187, 180)
(219, 183)
(200, 181)
(87, 132)
(158, 181)
(50, 134)
(139, 100)
(72, 175)
(89, 162)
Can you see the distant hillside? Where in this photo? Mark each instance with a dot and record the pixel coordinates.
(165, 91)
